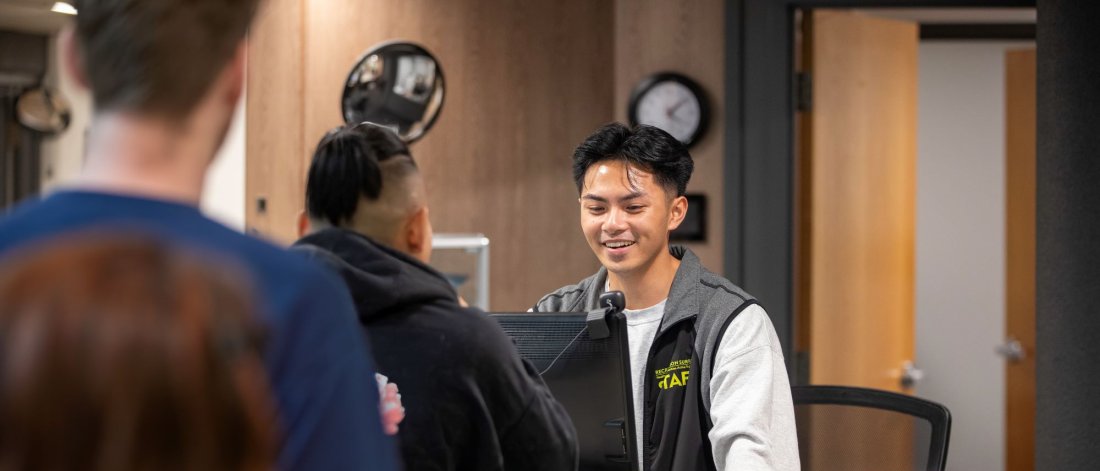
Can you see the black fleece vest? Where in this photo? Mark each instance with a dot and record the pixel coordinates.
(676, 399)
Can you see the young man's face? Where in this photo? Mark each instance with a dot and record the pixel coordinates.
(626, 216)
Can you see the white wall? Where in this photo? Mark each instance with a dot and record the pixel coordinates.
(62, 155)
(960, 244)
(223, 197)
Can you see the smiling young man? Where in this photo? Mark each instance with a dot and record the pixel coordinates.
(709, 382)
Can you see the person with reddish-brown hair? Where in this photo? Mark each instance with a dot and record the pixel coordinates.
(165, 78)
(124, 354)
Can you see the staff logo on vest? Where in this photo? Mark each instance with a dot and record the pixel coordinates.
(674, 375)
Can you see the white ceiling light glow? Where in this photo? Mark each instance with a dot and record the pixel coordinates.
(62, 7)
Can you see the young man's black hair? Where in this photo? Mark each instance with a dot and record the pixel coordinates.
(346, 166)
(644, 147)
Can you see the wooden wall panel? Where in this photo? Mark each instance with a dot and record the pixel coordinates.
(686, 37)
(524, 86)
(274, 163)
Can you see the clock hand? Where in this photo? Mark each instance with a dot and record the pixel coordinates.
(675, 107)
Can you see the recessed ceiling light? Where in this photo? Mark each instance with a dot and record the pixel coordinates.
(62, 7)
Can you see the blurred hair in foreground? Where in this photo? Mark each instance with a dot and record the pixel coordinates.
(119, 353)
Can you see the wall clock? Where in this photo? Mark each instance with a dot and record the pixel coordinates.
(672, 102)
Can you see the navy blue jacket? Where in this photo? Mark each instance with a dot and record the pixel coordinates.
(317, 358)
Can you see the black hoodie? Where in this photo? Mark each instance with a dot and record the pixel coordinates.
(471, 402)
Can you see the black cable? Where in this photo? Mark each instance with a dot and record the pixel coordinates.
(562, 352)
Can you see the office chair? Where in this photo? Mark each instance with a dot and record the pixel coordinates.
(848, 428)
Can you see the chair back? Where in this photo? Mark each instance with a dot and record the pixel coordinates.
(849, 428)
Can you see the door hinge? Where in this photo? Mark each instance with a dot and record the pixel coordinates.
(803, 91)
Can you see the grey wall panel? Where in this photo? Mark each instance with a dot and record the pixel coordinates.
(1068, 236)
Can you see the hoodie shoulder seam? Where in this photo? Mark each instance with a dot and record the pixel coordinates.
(561, 295)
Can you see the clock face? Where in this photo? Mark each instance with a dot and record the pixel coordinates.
(673, 107)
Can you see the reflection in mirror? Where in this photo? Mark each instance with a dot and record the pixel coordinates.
(41, 110)
(395, 84)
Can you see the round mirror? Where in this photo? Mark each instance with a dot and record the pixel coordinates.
(395, 84)
(40, 110)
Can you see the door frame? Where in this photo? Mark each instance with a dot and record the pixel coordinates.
(759, 133)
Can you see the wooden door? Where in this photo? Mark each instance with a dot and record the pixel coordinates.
(1020, 258)
(857, 210)
(855, 238)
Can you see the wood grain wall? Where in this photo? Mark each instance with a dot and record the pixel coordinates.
(524, 86)
(686, 37)
(274, 163)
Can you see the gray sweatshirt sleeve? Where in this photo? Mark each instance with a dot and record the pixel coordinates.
(751, 408)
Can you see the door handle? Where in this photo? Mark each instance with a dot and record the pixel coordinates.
(1012, 350)
(910, 374)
